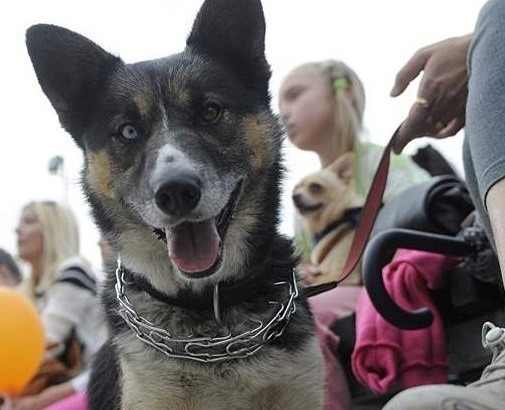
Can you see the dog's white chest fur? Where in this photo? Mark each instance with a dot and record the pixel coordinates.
(275, 381)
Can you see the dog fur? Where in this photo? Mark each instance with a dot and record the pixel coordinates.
(321, 198)
(146, 129)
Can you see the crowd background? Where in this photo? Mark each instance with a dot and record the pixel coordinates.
(369, 36)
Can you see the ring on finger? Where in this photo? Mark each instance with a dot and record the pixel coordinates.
(423, 102)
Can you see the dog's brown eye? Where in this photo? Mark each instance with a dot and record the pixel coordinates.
(211, 112)
(128, 132)
(315, 188)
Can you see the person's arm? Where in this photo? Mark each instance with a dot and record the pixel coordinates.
(439, 110)
(45, 398)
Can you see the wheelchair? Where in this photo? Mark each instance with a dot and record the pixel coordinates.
(439, 217)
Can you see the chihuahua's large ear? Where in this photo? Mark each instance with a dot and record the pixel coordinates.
(233, 31)
(71, 71)
(343, 166)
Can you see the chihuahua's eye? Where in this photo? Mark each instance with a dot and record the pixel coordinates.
(315, 188)
(211, 112)
(128, 132)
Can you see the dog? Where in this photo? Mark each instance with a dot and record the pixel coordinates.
(182, 169)
(329, 208)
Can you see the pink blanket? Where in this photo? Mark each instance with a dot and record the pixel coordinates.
(328, 307)
(75, 402)
(386, 357)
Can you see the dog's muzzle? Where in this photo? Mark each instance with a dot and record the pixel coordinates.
(195, 247)
(179, 194)
(303, 206)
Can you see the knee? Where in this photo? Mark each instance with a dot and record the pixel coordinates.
(417, 398)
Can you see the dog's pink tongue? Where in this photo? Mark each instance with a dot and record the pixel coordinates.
(193, 247)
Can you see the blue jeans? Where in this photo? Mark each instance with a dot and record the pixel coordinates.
(484, 145)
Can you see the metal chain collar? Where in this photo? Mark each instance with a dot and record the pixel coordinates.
(209, 349)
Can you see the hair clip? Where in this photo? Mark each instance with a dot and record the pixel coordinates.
(340, 83)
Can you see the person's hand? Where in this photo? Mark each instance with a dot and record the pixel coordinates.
(26, 403)
(309, 273)
(5, 403)
(439, 110)
(48, 396)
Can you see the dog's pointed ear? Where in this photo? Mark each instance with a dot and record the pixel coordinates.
(343, 166)
(233, 31)
(71, 70)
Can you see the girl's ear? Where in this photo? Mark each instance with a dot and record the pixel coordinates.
(343, 166)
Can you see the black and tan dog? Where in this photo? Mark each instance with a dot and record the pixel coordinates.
(182, 170)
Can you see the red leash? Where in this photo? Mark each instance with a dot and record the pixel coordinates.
(369, 213)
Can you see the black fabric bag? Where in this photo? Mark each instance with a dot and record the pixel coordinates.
(430, 159)
(439, 205)
(443, 206)
(475, 285)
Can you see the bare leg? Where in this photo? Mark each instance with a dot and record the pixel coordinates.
(495, 204)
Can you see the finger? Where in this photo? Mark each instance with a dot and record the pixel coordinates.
(409, 71)
(308, 280)
(439, 100)
(413, 127)
(450, 129)
(315, 272)
(310, 269)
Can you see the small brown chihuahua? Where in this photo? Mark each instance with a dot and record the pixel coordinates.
(330, 209)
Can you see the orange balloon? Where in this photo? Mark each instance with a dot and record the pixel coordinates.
(22, 341)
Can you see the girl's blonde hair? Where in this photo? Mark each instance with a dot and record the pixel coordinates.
(60, 236)
(349, 97)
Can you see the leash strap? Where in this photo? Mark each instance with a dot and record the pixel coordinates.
(369, 214)
(351, 217)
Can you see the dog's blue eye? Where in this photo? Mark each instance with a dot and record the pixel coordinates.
(211, 112)
(128, 132)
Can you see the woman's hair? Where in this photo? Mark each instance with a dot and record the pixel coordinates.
(60, 236)
(7, 260)
(350, 100)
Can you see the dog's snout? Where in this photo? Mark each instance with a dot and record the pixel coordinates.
(297, 200)
(179, 194)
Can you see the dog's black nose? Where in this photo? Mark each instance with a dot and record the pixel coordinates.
(297, 200)
(179, 194)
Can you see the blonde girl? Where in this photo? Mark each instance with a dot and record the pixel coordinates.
(322, 105)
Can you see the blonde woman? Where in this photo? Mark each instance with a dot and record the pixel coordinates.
(64, 290)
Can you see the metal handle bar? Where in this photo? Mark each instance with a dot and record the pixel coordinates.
(380, 251)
